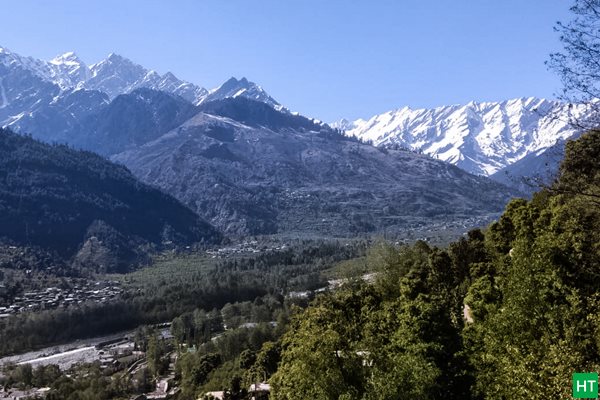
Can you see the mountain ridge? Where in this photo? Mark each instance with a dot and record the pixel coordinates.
(480, 137)
(117, 74)
(253, 173)
(52, 99)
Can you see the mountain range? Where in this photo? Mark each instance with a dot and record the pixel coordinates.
(250, 169)
(50, 99)
(113, 76)
(56, 100)
(481, 138)
(235, 155)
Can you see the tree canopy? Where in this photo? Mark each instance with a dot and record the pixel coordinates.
(509, 312)
(578, 65)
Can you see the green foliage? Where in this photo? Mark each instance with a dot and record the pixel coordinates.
(88, 384)
(397, 338)
(180, 285)
(320, 359)
(535, 310)
(529, 286)
(155, 355)
(266, 362)
(579, 169)
(221, 377)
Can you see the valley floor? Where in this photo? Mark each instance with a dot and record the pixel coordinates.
(78, 351)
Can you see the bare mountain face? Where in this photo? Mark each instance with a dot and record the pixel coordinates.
(481, 138)
(250, 169)
(133, 119)
(130, 120)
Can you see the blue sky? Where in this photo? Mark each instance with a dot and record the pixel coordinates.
(324, 58)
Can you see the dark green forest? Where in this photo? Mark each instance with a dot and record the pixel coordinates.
(69, 203)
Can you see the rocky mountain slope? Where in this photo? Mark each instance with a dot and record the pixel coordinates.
(251, 169)
(130, 120)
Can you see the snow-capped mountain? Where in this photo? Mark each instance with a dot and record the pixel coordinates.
(114, 76)
(481, 138)
(51, 99)
(70, 71)
(234, 154)
(242, 87)
(118, 75)
(63, 71)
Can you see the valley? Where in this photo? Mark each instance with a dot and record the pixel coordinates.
(167, 238)
(229, 279)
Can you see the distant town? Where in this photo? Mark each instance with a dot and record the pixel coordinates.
(55, 297)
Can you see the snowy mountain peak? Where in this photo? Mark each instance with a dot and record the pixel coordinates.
(5, 51)
(115, 75)
(115, 61)
(69, 70)
(343, 124)
(67, 58)
(234, 87)
(169, 76)
(6, 56)
(480, 137)
(116, 58)
(152, 74)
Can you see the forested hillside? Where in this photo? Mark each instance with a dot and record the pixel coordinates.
(76, 203)
(510, 312)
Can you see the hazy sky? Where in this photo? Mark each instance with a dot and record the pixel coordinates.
(324, 58)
